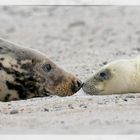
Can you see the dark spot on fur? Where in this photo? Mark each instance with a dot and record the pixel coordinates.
(33, 61)
(26, 66)
(22, 91)
(25, 83)
(28, 83)
(16, 66)
(11, 71)
(7, 97)
(2, 59)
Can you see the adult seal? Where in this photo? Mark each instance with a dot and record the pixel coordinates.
(118, 77)
(27, 73)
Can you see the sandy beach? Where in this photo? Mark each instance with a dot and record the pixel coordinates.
(80, 39)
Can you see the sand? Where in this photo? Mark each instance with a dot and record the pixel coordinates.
(80, 40)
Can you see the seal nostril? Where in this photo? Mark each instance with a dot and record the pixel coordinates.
(76, 86)
(79, 84)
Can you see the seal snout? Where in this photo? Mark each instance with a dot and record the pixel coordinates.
(89, 89)
(76, 85)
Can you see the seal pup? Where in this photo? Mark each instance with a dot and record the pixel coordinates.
(27, 73)
(118, 77)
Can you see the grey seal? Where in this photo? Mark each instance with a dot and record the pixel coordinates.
(26, 73)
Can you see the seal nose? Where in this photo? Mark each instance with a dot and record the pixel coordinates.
(76, 86)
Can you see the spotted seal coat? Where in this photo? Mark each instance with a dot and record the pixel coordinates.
(27, 73)
(118, 77)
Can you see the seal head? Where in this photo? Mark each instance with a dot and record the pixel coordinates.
(57, 81)
(27, 73)
(117, 77)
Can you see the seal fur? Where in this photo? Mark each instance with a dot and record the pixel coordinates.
(27, 73)
(118, 77)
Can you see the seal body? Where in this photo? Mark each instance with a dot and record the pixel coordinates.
(118, 77)
(26, 73)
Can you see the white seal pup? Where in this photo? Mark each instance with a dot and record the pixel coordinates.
(118, 77)
(26, 73)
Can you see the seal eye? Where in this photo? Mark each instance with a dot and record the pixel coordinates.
(47, 67)
(103, 74)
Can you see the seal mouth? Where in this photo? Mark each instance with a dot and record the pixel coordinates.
(95, 92)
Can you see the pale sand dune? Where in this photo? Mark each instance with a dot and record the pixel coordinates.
(80, 40)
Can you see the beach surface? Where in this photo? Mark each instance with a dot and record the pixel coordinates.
(80, 39)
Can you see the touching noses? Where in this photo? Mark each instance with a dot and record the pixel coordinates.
(76, 86)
